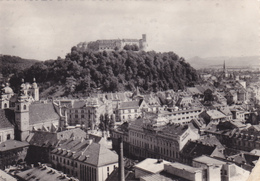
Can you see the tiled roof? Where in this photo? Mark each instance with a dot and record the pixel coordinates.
(130, 104)
(4, 121)
(214, 114)
(211, 140)
(12, 144)
(194, 90)
(43, 173)
(43, 139)
(6, 177)
(195, 149)
(77, 133)
(51, 139)
(42, 112)
(208, 160)
(226, 111)
(91, 153)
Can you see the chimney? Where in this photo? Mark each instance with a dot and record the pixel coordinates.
(121, 172)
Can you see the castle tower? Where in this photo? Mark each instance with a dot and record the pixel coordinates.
(143, 42)
(22, 115)
(144, 37)
(35, 90)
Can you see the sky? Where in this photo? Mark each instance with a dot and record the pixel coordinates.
(206, 28)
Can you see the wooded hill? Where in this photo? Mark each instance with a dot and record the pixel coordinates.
(83, 72)
(12, 64)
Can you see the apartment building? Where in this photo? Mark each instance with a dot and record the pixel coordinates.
(84, 159)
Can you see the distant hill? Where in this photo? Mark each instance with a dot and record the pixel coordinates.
(84, 72)
(13, 64)
(217, 62)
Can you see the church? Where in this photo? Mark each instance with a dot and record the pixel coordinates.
(26, 114)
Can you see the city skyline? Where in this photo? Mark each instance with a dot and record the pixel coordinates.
(46, 30)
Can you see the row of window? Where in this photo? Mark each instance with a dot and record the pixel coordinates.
(63, 160)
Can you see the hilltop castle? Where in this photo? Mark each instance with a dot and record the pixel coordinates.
(110, 45)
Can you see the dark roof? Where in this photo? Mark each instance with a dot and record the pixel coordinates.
(43, 173)
(211, 140)
(6, 117)
(51, 139)
(77, 133)
(129, 176)
(195, 149)
(42, 112)
(12, 144)
(43, 139)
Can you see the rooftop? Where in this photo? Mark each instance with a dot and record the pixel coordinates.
(42, 112)
(43, 173)
(151, 165)
(4, 121)
(214, 114)
(12, 144)
(208, 160)
(130, 104)
(181, 166)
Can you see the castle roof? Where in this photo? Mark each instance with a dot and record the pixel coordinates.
(42, 112)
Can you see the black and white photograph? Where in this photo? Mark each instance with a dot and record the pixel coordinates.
(129, 90)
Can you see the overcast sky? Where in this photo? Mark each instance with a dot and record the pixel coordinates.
(206, 28)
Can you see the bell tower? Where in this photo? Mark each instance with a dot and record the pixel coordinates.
(35, 90)
(22, 115)
(4, 101)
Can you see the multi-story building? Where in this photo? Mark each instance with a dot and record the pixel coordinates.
(129, 111)
(85, 112)
(157, 139)
(11, 152)
(213, 116)
(6, 128)
(84, 159)
(182, 116)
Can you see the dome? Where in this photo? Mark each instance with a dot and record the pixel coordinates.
(8, 90)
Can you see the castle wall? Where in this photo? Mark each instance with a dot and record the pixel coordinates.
(110, 45)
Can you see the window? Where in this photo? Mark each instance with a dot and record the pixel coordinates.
(5, 105)
(24, 107)
(8, 137)
(18, 107)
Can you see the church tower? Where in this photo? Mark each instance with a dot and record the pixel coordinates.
(225, 70)
(35, 90)
(22, 115)
(4, 101)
